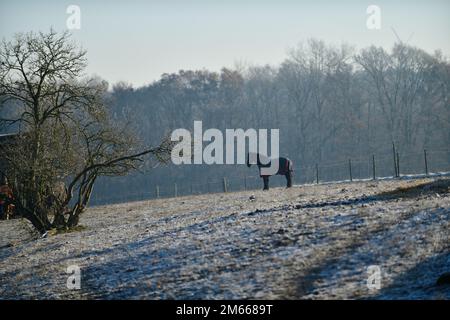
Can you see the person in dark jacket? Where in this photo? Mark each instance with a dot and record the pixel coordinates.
(6, 200)
(285, 168)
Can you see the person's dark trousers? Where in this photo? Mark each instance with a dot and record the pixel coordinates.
(266, 182)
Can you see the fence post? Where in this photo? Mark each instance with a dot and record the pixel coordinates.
(398, 165)
(426, 161)
(350, 169)
(373, 167)
(317, 173)
(157, 192)
(395, 160)
(176, 190)
(225, 189)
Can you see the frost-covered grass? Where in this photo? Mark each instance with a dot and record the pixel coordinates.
(312, 242)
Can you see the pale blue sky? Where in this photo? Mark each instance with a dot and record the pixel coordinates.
(137, 41)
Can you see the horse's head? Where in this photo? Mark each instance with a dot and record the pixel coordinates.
(252, 158)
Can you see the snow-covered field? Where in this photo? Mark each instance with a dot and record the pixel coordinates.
(313, 242)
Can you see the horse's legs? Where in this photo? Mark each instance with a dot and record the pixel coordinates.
(266, 182)
(289, 179)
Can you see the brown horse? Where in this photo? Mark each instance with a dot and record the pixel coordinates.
(285, 168)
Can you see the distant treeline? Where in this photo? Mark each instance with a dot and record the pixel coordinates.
(330, 104)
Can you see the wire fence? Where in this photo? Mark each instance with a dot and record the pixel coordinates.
(394, 165)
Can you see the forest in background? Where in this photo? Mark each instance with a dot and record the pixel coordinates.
(330, 103)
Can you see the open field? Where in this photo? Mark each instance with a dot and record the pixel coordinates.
(308, 242)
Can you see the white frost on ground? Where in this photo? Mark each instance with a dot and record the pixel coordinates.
(312, 242)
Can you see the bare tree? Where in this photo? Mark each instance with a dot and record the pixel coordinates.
(398, 79)
(65, 138)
